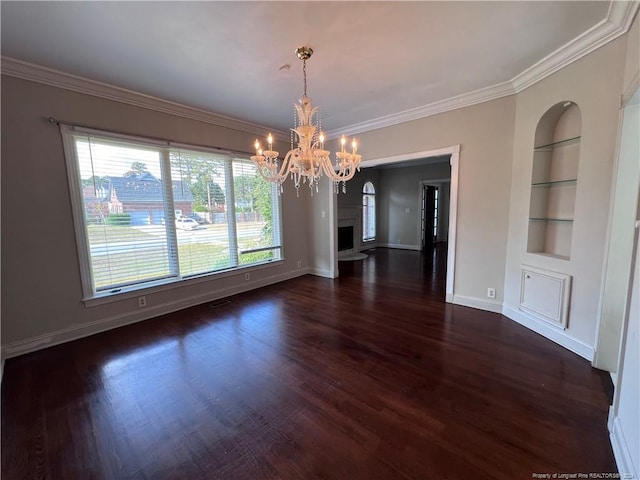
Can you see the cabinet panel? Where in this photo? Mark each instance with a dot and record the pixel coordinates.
(545, 294)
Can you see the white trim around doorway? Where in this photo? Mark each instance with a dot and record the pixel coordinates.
(454, 160)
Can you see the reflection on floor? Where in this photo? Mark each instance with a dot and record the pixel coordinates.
(368, 376)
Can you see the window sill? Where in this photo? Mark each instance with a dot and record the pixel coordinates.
(135, 291)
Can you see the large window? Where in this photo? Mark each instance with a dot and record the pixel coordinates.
(150, 212)
(368, 212)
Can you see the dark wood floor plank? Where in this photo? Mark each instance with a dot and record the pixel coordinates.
(370, 376)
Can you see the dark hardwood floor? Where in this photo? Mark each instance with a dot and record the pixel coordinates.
(371, 376)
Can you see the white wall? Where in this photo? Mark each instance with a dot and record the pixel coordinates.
(595, 84)
(41, 288)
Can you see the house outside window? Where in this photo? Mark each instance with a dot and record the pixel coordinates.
(368, 212)
(149, 212)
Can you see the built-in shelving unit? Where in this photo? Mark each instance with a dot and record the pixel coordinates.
(554, 181)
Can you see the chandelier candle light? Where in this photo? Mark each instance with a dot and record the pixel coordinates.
(307, 161)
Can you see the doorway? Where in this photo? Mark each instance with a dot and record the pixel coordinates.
(450, 216)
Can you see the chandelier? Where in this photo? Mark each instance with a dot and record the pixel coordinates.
(307, 160)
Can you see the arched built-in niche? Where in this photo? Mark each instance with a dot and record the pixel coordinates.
(554, 180)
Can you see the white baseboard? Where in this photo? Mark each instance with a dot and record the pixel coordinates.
(621, 450)
(75, 332)
(399, 246)
(479, 303)
(549, 331)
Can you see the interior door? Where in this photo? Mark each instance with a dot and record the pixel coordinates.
(429, 213)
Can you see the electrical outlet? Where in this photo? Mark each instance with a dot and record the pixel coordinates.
(491, 292)
(142, 302)
(299, 264)
(247, 276)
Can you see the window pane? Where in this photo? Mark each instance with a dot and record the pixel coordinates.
(145, 211)
(435, 213)
(368, 188)
(257, 214)
(368, 212)
(200, 203)
(124, 203)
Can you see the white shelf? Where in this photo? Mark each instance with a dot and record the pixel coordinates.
(560, 220)
(559, 144)
(571, 182)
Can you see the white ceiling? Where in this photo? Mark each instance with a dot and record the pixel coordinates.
(371, 60)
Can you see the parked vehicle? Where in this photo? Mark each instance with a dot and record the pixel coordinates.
(195, 217)
(186, 223)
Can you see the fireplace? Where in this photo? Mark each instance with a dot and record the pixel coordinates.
(348, 230)
(345, 238)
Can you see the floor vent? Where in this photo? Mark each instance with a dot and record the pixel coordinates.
(219, 303)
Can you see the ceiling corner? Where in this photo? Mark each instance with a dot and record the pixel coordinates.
(617, 23)
(48, 76)
(619, 19)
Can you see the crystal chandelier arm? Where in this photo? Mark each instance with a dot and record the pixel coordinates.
(329, 171)
(341, 173)
(268, 175)
(268, 167)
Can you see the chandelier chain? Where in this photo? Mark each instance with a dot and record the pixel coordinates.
(304, 74)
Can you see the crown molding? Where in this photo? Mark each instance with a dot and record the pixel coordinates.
(465, 100)
(623, 13)
(55, 78)
(618, 22)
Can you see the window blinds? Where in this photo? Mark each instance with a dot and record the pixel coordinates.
(155, 212)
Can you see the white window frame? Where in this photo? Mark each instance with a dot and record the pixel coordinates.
(91, 297)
